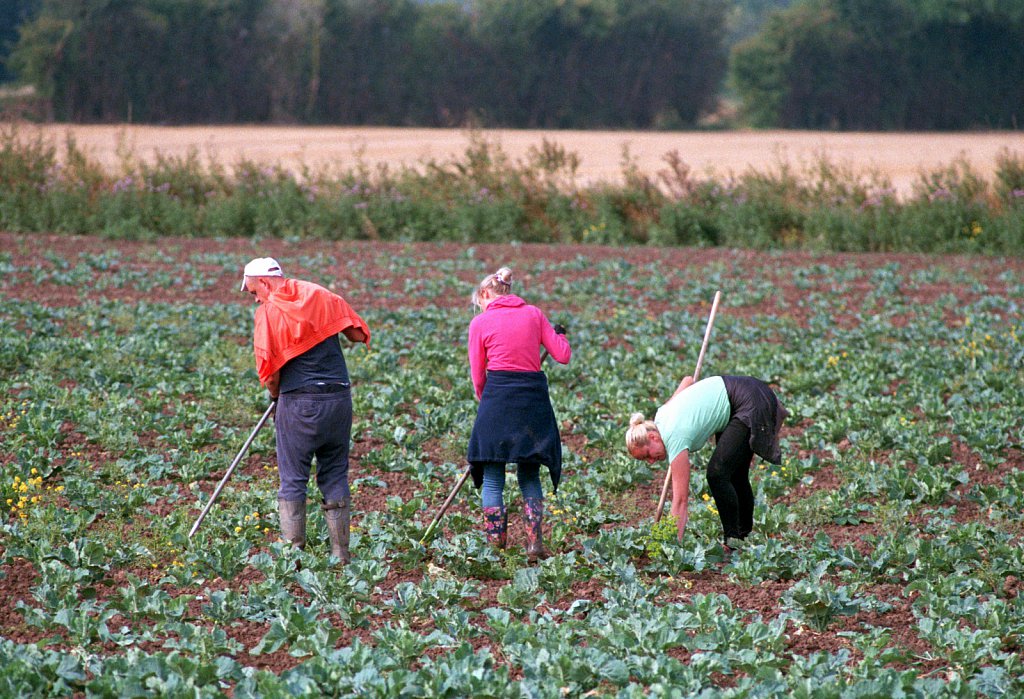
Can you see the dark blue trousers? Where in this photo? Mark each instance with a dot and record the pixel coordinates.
(308, 425)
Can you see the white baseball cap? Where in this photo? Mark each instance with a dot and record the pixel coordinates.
(261, 267)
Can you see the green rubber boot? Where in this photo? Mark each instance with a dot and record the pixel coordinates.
(338, 514)
(292, 514)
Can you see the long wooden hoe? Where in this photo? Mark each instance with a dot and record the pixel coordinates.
(444, 507)
(231, 468)
(696, 376)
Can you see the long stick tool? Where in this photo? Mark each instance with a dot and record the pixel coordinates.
(696, 375)
(231, 468)
(444, 507)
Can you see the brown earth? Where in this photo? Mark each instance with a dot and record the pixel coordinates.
(364, 271)
(899, 158)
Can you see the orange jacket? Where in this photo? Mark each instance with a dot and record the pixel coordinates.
(294, 319)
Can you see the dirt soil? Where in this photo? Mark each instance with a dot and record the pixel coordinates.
(364, 272)
(900, 158)
(18, 578)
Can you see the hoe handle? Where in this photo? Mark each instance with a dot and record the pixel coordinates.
(707, 335)
(696, 375)
(444, 507)
(231, 468)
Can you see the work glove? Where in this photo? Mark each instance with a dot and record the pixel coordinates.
(559, 328)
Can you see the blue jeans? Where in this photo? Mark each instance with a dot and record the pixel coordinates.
(308, 425)
(492, 492)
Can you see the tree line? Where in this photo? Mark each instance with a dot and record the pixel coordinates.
(542, 63)
(833, 64)
(886, 65)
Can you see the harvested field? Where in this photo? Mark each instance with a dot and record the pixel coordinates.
(901, 158)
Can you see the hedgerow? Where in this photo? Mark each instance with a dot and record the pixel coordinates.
(485, 197)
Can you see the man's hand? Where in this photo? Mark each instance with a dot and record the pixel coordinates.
(559, 328)
(274, 385)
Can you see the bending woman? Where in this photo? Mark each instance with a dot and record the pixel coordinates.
(515, 422)
(745, 416)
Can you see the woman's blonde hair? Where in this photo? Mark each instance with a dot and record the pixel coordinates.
(637, 434)
(499, 284)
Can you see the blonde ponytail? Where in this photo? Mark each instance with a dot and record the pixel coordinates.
(637, 434)
(499, 284)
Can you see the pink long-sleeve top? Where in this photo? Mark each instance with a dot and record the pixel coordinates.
(508, 337)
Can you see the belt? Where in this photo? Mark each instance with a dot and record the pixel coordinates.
(320, 388)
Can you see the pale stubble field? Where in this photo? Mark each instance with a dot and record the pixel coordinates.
(899, 158)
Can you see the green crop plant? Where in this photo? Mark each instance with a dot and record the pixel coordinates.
(662, 536)
(819, 603)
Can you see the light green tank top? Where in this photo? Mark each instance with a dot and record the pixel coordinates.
(691, 417)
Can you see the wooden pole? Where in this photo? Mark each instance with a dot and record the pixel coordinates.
(444, 507)
(696, 376)
(231, 468)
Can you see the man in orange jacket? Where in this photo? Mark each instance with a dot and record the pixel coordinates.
(299, 360)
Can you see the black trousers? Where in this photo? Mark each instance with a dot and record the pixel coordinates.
(729, 479)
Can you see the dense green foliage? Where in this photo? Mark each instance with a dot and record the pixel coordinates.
(543, 63)
(13, 13)
(484, 197)
(746, 17)
(886, 64)
(119, 409)
(820, 64)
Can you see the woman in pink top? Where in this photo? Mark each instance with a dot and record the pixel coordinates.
(515, 422)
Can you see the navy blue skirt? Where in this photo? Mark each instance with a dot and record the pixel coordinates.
(515, 423)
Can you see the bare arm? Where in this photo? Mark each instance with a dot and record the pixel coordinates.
(683, 385)
(681, 490)
(354, 334)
